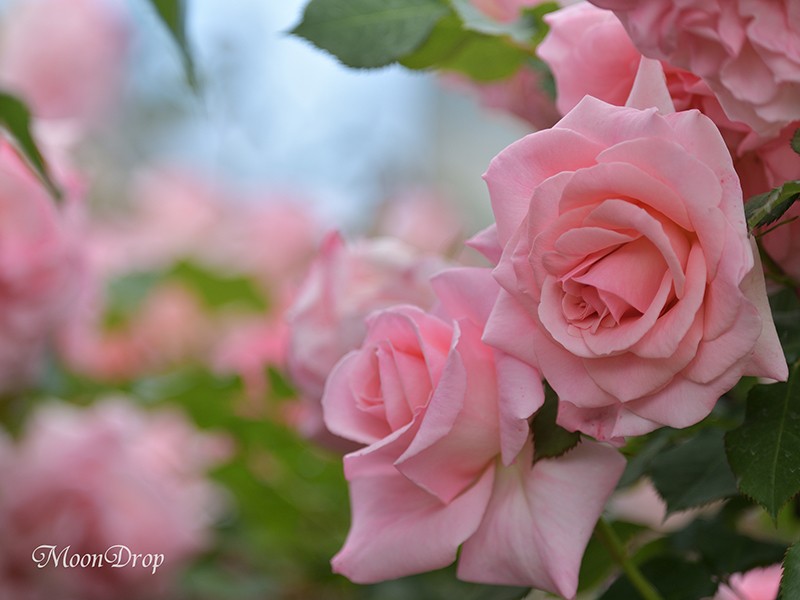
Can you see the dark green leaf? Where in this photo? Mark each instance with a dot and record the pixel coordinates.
(694, 473)
(785, 307)
(796, 140)
(674, 578)
(173, 15)
(480, 57)
(722, 550)
(640, 460)
(790, 581)
(765, 451)
(15, 118)
(767, 208)
(217, 290)
(550, 440)
(369, 33)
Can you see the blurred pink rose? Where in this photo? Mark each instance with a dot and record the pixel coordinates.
(590, 53)
(640, 503)
(65, 58)
(345, 284)
(423, 219)
(437, 408)
(758, 584)
(93, 478)
(522, 95)
(170, 327)
(628, 274)
(40, 265)
(747, 51)
(505, 10)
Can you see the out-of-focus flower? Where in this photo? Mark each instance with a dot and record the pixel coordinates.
(40, 265)
(65, 58)
(505, 10)
(522, 95)
(345, 284)
(758, 584)
(91, 479)
(590, 53)
(747, 51)
(437, 409)
(423, 219)
(641, 504)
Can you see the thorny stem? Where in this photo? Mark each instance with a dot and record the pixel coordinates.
(609, 539)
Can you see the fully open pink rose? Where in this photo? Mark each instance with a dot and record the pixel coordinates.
(748, 51)
(758, 584)
(89, 479)
(65, 58)
(345, 284)
(437, 409)
(40, 264)
(627, 273)
(590, 53)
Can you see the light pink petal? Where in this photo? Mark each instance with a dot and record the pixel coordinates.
(507, 329)
(466, 293)
(520, 395)
(609, 423)
(650, 88)
(539, 519)
(486, 242)
(516, 171)
(399, 529)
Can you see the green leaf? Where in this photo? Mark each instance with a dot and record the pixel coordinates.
(785, 307)
(550, 440)
(765, 451)
(480, 57)
(795, 142)
(369, 33)
(529, 29)
(723, 550)
(125, 295)
(694, 473)
(767, 208)
(217, 290)
(173, 15)
(639, 462)
(674, 578)
(597, 563)
(15, 118)
(790, 580)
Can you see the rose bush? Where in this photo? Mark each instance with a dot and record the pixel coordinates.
(747, 51)
(628, 277)
(437, 409)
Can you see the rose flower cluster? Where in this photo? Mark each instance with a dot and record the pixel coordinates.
(623, 276)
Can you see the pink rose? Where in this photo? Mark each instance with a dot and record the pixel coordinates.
(522, 95)
(423, 219)
(90, 479)
(747, 51)
(758, 584)
(65, 58)
(40, 264)
(437, 409)
(627, 273)
(345, 284)
(505, 11)
(590, 53)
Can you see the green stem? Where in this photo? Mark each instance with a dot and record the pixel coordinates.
(609, 539)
